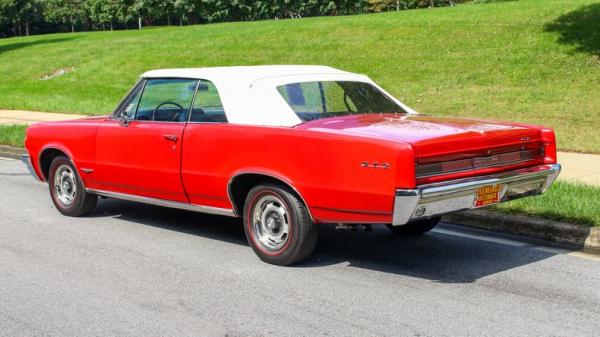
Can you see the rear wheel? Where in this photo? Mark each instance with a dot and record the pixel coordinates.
(416, 228)
(278, 225)
(66, 189)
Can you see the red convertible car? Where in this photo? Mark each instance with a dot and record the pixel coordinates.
(287, 148)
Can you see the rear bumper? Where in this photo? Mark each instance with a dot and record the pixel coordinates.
(450, 196)
(27, 161)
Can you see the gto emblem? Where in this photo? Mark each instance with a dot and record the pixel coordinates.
(486, 161)
(525, 138)
(375, 165)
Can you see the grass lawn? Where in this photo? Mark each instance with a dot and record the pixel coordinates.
(531, 61)
(12, 134)
(569, 202)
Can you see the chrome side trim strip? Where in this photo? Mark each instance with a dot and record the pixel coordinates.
(27, 161)
(164, 203)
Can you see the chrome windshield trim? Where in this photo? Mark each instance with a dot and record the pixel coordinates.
(164, 203)
(140, 82)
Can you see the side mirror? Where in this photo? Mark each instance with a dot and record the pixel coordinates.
(124, 120)
(127, 115)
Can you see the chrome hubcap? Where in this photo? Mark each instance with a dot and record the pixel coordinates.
(270, 222)
(64, 185)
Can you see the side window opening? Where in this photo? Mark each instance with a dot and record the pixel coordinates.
(315, 100)
(166, 100)
(317, 97)
(207, 104)
(129, 105)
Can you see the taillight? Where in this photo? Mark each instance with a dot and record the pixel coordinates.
(549, 140)
(495, 160)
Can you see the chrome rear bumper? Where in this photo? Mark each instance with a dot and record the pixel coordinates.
(450, 196)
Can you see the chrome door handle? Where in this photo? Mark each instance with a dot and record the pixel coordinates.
(172, 138)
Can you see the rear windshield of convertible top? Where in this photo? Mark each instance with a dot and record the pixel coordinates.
(315, 100)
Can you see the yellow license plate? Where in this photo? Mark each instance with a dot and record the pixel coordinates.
(487, 195)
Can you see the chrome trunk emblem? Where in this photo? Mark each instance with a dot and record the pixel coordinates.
(486, 161)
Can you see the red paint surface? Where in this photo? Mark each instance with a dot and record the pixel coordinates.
(320, 159)
(138, 159)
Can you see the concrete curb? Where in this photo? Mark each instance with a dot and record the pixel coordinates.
(585, 238)
(12, 151)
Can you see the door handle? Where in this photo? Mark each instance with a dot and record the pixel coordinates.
(172, 138)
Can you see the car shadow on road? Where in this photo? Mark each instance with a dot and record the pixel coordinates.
(214, 227)
(445, 256)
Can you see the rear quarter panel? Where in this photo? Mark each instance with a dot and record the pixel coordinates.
(324, 168)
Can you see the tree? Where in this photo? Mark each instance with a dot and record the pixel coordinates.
(18, 14)
(66, 11)
(31, 11)
(288, 8)
(106, 12)
(185, 8)
(8, 13)
(150, 9)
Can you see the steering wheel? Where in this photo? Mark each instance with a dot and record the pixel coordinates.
(166, 103)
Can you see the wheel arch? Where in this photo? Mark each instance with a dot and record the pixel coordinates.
(47, 154)
(242, 182)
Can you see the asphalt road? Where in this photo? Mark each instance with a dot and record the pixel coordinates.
(136, 270)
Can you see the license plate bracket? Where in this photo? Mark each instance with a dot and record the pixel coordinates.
(488, 195)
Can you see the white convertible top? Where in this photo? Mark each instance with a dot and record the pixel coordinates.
(249, 93)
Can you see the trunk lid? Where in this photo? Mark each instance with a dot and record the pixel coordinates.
(436, 139)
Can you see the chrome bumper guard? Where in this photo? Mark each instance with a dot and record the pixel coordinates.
(27, 161)
(450, 196)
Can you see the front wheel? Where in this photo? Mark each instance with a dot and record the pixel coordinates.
(66, 189)
(278, 225)
(416, 227)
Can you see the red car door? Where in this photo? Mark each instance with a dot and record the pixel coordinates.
(142, 156)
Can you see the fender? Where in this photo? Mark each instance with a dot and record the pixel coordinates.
(269, 173)
(53, 146)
